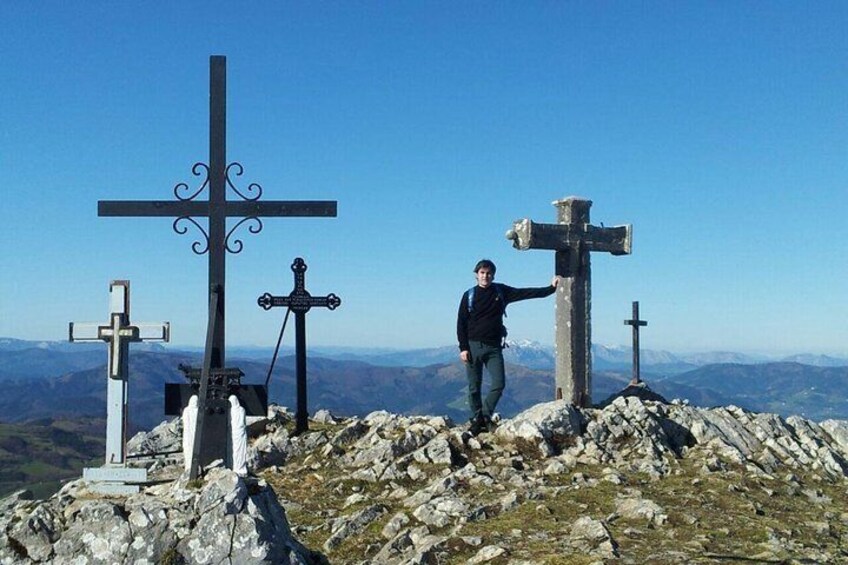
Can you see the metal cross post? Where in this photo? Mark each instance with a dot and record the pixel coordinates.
(572, 238)
(636, 323)
(218, 240)
(300, 302)
(118, 332)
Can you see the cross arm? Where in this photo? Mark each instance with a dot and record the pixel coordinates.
(330, 301)
(84, 331)
(237, 208)
(92, 331)
(166, 208)
(152, 331)
(327, 208)
(299, 302)
(268, 301)
(526, 234)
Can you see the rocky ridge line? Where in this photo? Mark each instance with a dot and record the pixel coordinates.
(596, 484)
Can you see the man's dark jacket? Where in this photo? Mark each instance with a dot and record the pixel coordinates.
(485, 320)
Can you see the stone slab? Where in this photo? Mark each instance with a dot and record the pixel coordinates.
(113, 488)
(114, 475)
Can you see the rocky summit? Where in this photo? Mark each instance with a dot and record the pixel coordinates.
(635, 482)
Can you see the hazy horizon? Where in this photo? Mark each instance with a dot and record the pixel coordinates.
(288, 345)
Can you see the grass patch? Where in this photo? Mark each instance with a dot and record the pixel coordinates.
(40, 455)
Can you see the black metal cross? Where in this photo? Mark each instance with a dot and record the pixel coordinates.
(218, 240)
(636, 323)
(300, 302)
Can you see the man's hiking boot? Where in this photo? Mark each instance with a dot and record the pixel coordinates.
(491, 425)
(478, 425)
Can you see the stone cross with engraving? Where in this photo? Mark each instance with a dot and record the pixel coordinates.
(216, 242)
(118, 333)
(300, 302)
(636, 323)
(573, 239)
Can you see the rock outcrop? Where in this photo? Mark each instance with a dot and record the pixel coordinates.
(637, 481)
(221, 519)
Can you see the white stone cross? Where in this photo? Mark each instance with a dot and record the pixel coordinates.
(117, 333)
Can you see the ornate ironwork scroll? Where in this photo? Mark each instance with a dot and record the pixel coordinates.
(250, 188)
(252, 193)
(182, 230)
(238, 245)
(181, 186)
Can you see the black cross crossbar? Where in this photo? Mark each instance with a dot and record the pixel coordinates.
(170, 208)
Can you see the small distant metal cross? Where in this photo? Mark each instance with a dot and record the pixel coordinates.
(636, 323)
(300, 302)
(117, 333)
(572, 238)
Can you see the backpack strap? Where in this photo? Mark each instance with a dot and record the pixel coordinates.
(498, 288)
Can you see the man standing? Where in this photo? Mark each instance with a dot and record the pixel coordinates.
(481, 335)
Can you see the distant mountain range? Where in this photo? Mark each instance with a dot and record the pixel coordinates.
(538, 356)
(521, 352)
(55, 379)
(604, 357)
(817, 393)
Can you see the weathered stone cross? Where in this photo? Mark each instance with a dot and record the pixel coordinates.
(636, 323)
(300, 302)
(217, 242)
(117, 333)
(573, 238)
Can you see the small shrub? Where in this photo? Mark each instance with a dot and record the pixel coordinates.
(172, 557)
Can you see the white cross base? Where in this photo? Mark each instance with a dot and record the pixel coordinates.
(117, 333)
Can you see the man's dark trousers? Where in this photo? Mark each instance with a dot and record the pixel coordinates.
(492, 357)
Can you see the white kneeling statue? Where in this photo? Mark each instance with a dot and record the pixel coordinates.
(238, 436)
(189, 425)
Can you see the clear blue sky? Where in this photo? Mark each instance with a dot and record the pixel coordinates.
(718, 129)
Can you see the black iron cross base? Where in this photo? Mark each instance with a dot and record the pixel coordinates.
(222, 384)
(300, 302)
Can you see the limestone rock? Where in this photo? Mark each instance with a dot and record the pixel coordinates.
(324, 417)
(640, 509)
(592, 537)
(487, 554)
(394, 525)
(167, 436)
(347, 526)
(441, 511)
(226, 519)
(544, 424)
(640, 391)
